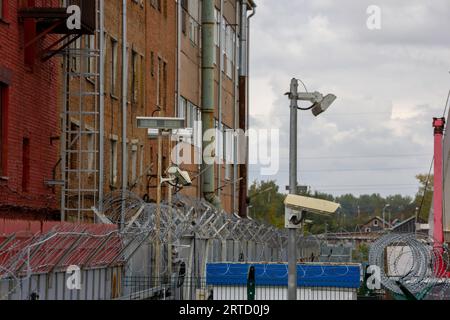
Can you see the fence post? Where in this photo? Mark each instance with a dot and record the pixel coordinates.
(251, 284)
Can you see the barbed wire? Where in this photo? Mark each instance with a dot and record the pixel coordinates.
(413, 263)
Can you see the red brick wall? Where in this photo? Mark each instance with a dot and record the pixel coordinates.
(32, 114)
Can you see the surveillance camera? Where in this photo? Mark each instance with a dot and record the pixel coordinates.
(298, 206)
(182, 176)
(322, 106)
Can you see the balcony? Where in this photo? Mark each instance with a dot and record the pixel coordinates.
(50, 16)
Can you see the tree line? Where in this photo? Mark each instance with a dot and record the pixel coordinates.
(266, 204)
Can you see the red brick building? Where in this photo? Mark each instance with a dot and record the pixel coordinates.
(28, 121)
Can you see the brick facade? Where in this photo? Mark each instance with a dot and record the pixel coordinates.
(29, 121)
(35, 103)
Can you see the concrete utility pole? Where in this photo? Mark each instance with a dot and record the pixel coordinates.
(292, 233)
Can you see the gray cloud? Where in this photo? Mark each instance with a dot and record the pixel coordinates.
(389, 83)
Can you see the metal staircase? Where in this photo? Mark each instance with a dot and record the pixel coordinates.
(81, 136)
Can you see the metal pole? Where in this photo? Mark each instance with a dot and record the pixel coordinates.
(158, 209)
(292, 233)
(124, 111)
(169, 235)
(220, 127)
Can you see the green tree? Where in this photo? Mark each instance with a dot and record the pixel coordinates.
(267, 203)
(424, 197)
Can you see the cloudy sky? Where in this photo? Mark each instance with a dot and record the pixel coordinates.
(389, 82)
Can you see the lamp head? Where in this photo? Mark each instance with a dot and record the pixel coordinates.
(320, 107)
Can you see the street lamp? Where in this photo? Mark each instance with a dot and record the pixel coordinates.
(319, 105)
(164, 126)
(384, 214)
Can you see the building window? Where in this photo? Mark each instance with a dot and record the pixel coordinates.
(134, 77)
(158, 83)
(152, 64)
(73, 146)
(184, 15)
(90, 55)
(76, 47)
(161, 85)
(193, 31)
(375, 223)
(114, 56)
(368, 230)
(3, 110)
(141, 160)
(164, 81)
(229, 50)
(3, 9)
(113, 170)
(26, 165)
(90, 152)
(181, 113)
(134, 157)
(192, 115)
(228, 151)
(165, 8)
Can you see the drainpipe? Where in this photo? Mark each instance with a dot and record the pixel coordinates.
(101, 107)
(208, 84)
(179, 31)
(124, 110)
(243, 40)
(235, 115)
(247, 111)
(220, 126)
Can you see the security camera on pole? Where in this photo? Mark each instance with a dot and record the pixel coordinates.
(319, 105)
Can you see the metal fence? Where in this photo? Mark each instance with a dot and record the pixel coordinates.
(148, 288)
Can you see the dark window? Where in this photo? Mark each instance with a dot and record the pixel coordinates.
(26, 165)
(152, 64)
(184, 15)
(1, 126)
(73, 146)
(134, 77)
(3, 9)
(165, 8)
(3, 111)
(2, 5)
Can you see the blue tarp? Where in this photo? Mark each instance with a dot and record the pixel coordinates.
(309, 275)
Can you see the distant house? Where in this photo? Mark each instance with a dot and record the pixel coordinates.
(376, 224)
(409, 225)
